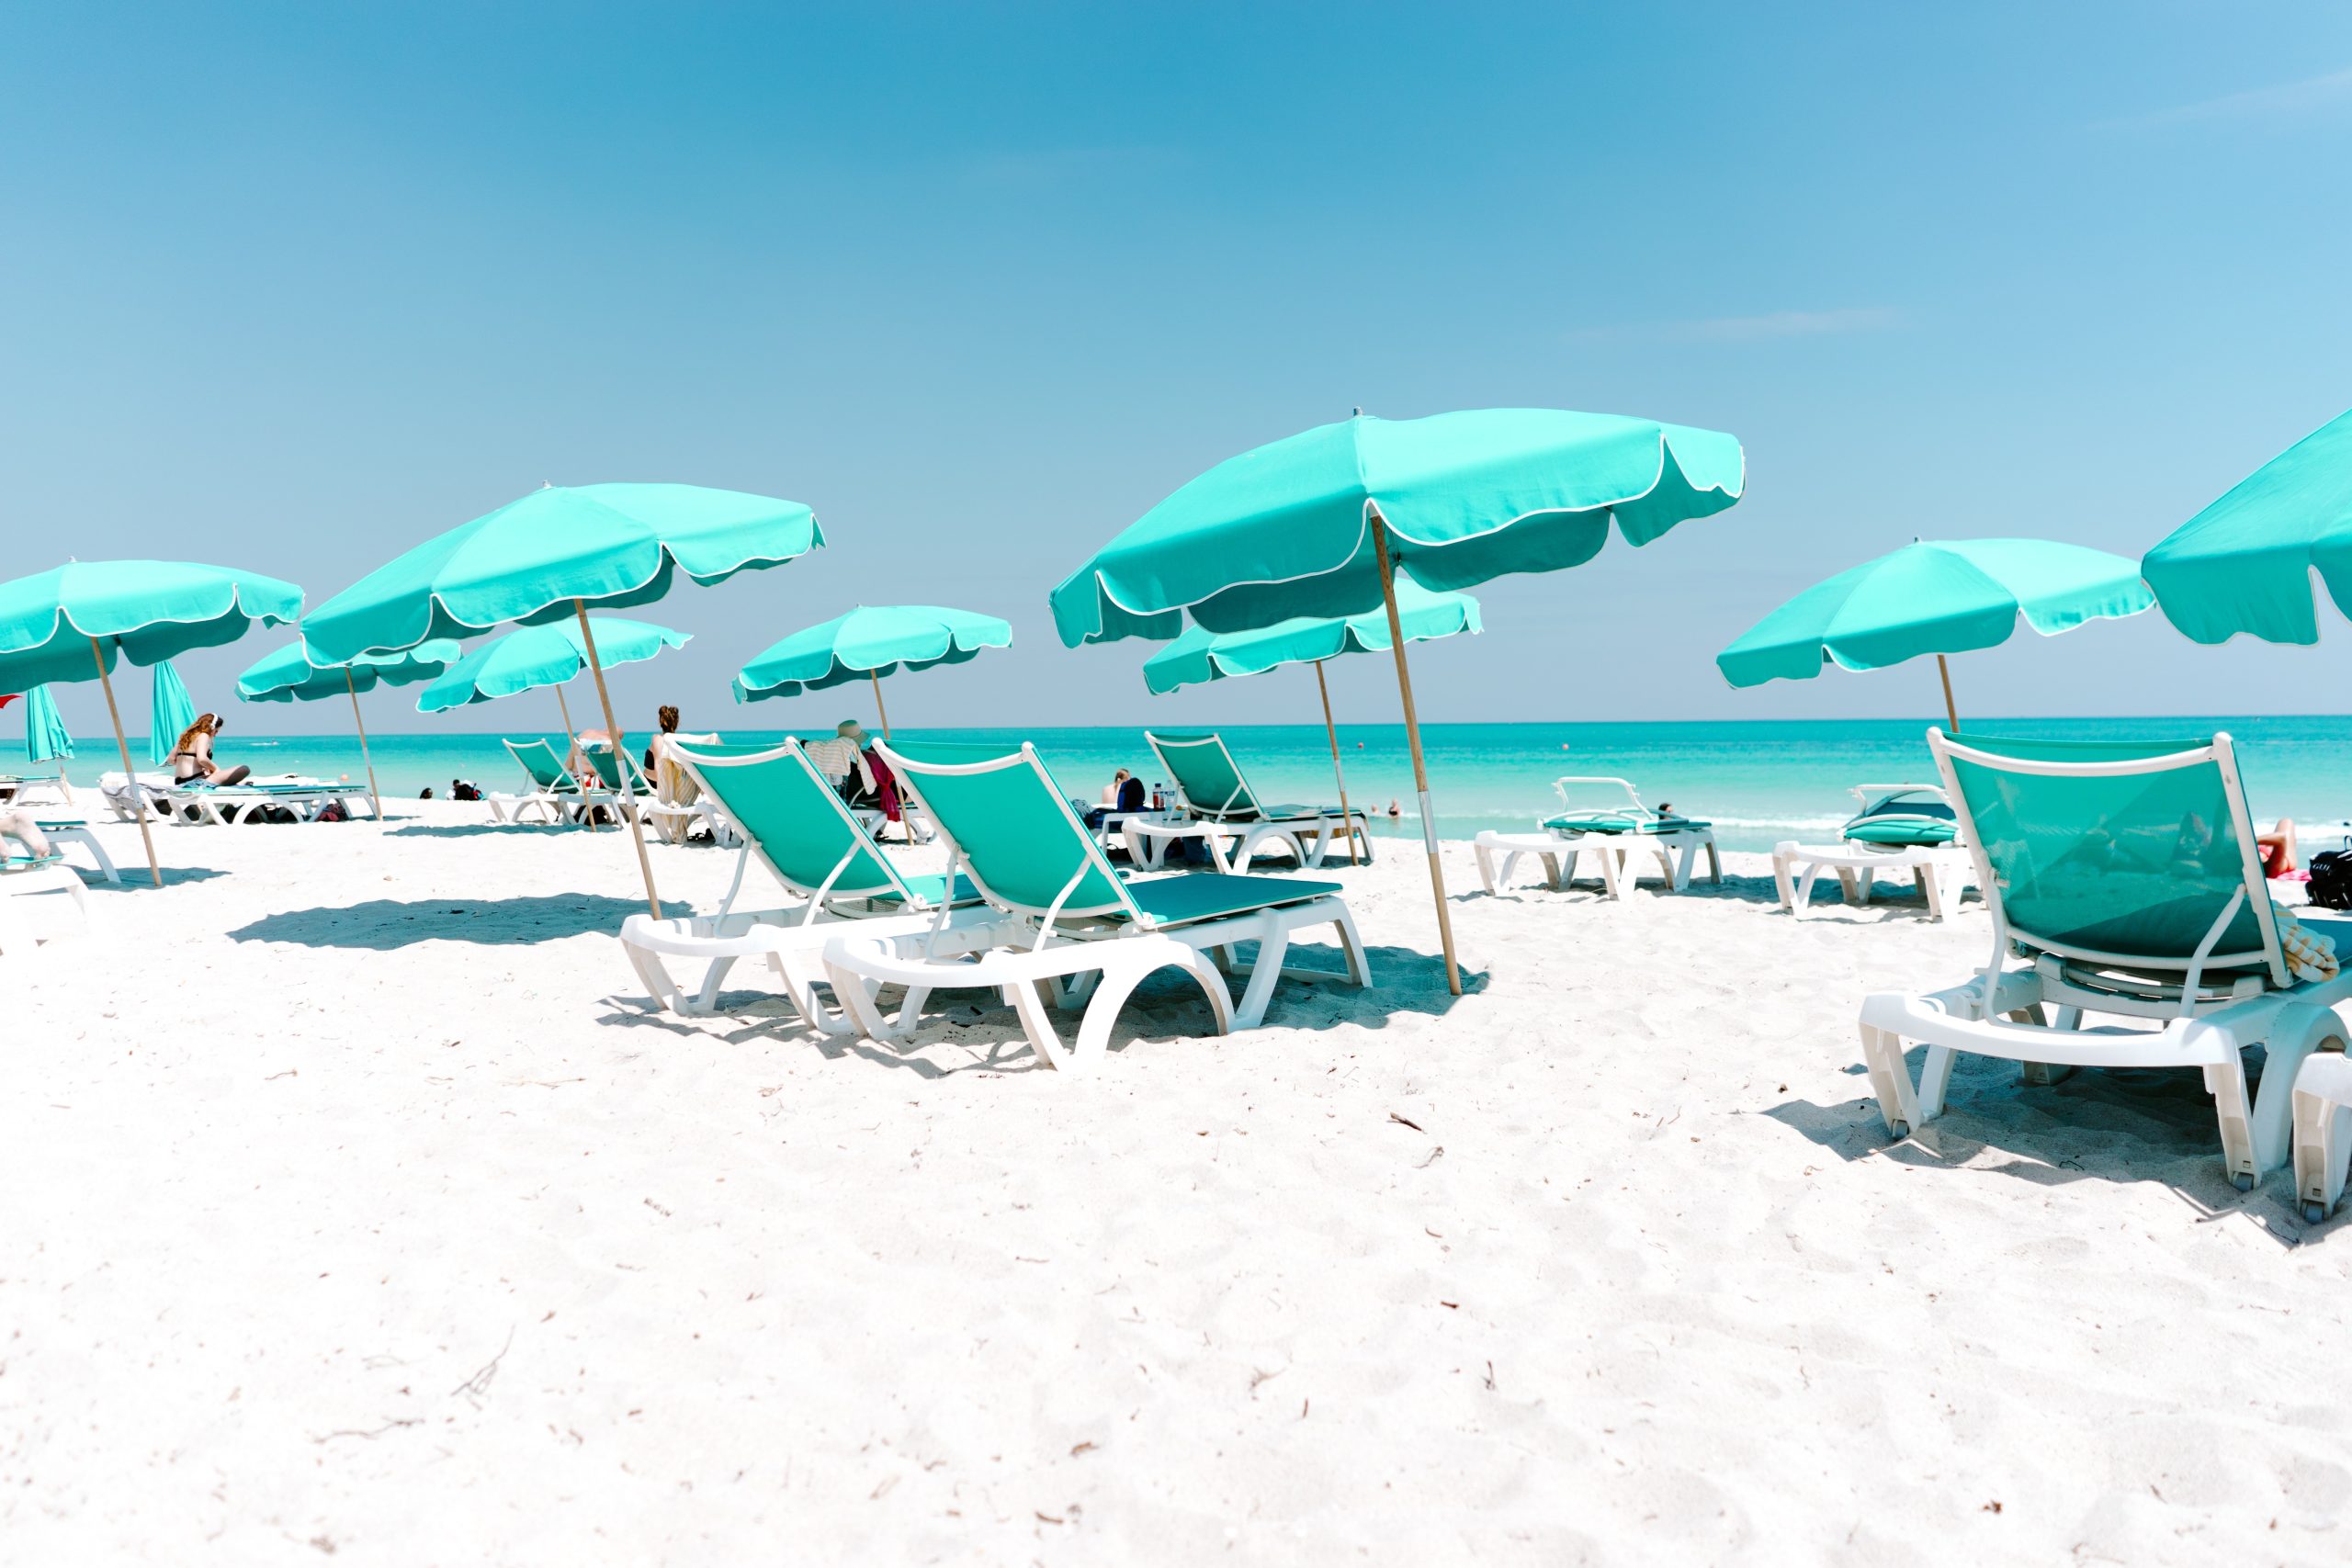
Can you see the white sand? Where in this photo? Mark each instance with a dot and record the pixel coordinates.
(354, 1204)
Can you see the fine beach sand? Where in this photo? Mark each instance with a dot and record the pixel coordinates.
(356, 1206)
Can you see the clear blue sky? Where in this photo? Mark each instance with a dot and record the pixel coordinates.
(296, 286)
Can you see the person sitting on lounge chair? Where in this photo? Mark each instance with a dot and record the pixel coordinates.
(842, 762)
(191, 759)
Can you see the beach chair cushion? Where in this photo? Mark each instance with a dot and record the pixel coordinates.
(1190, 897)
(1605, 823)
(1903, 819)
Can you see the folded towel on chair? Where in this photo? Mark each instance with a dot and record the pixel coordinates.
(2310, 956)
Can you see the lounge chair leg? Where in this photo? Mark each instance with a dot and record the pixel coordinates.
(654, 976)
(1552, 871)
(1272, 942)
(1486, 868)
(1935, 1080)
(2322, 1110)
(1898, 1103)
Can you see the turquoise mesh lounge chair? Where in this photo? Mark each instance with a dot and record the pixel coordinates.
(805, 836)
(2123, 878)
(1073, 920)
(1210, 788)
(1900, 828)
(554, 793)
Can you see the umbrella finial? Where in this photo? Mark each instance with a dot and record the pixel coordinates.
(1357, 412)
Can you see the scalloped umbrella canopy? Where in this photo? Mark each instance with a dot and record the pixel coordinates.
(607, 546)
(1282, 531)
(532, 657)
(45, 739)
(288, 676)
(869, 642)
(2244, 564)
(1203, 655)
(169, 713)
(1299, 528)
(77, 620)
(1935, 597)
(144, 611)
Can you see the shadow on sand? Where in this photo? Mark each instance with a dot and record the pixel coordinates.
(383, 923)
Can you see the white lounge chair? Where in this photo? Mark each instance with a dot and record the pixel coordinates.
(1070, 922)
(2127, 876)
(802, 834)
(555, 795)
(1210, 787)
(1605, 817)
(222, 805)
(75, 831)
(1902, 828)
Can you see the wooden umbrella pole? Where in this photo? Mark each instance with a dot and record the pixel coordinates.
(620, 762)
(1951, 712)
(879, 711)
(571, 735)
(1413, 740)
(373, 793)
(1337, 772)
(129, 773)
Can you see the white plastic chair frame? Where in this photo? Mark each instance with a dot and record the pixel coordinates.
(790, 940)
(1092, 958)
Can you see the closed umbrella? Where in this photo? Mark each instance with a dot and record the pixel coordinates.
(559, 552)
(288, 676)
(76, 620)
(1324, 522)
(1938, 596)
(866, 644)
(1203, 655)
(45, 739)
(169, 713)
(2245, 563)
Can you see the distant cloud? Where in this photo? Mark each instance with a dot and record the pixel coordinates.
(1040, 167)
(2313, 95)
(1756, 329)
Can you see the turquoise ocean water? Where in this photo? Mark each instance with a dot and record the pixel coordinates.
(1756, 781)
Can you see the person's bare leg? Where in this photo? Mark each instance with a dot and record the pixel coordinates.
(20, 826)
(2289, 858)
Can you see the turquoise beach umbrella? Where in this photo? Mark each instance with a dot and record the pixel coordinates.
(1937, 596)
(45, 739)
(532, 657)
(288, 676)
(79, 620)
(1203, 655)
(559, 552)
(169, 713)
(2245, 563)
(1323, 523)
(866, 644)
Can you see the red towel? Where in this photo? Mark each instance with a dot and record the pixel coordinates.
(886, 785)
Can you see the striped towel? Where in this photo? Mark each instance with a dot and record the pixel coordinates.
(2310, 956)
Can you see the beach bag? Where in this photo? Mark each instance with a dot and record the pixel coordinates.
(2331, 884)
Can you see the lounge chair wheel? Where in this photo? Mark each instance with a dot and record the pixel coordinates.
(2313, 1214)
(2243, 1181)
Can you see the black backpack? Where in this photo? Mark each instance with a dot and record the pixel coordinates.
(2331, 884)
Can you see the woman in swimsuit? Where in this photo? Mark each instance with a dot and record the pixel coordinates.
(191, 759)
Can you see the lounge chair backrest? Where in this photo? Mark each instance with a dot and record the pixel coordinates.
(2129, 854)
(1208, 781)
(540, 761)
(608, 763)
(1012, 827)
(1601, 799)
(792, 819)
